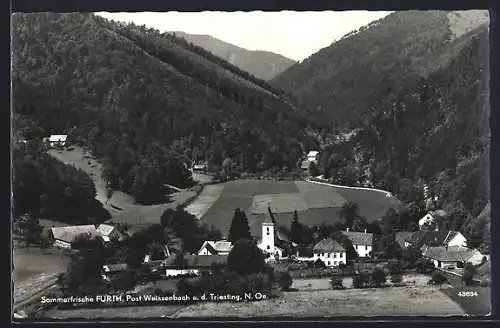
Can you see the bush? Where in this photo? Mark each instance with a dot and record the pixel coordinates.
(394, 266)
(285, 280)
(361, 280)
(319, 264)
(424, 266)
(396, 278)
(468, 275)
(379, 277)
(336, 282)
(437, 278)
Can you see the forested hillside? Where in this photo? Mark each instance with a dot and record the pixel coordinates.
(434, 131)
(346, 78)
(146, 103)
(262, 64)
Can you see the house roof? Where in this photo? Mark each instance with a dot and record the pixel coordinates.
(359, 238)
(222, 246)
(431, 238)
(328, 245)
(305, 164)
(312, 153)
(198, 261)
(68, 234)
(403, 236)
(105, 229)
(116, 267)
(58, 137)
(450, 254)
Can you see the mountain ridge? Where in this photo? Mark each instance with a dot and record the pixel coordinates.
(260, 63)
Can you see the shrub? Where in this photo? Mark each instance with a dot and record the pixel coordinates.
(379, 277)
(336, 282)
(361, 280)
(437, 278)
(394, 266)
(396, 278)
(319, 264)
(424, 266)
(285, 280)
(468, 275)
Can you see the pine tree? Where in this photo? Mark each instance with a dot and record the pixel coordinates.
(239, 227)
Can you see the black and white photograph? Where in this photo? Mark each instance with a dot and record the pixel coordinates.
(250, 165)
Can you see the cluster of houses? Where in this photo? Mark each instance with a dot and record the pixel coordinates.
(445, 248)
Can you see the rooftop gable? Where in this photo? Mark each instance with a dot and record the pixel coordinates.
(328, 245)
(359, 238)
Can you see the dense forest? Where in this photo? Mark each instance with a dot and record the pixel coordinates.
(346, 78)
(434, 132)
(148, 104)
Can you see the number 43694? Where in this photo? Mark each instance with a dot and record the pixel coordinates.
(467, 294)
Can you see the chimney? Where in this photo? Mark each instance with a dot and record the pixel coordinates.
(347, 229)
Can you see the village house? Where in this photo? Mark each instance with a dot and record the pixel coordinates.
(193, 264)
(330, 252)
(63, 236)
(201, 166)
(361, 241)
(444, 257)
(313, 156)
(430, 219)
(221, 247)
(436, 238)
(57, 140)
(149, 260)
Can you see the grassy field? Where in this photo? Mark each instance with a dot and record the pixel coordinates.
(205, 200)
(121, 206)
(479, 305)
(314, 203)
(34, 268)
(397, 301)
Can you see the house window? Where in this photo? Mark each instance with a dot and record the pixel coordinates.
(268, 247)
(328, 262)
(327, 254)
(335, 255)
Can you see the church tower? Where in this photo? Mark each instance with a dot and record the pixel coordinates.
(267, 241)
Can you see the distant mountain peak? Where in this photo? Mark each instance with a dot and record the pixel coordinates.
(262, 64)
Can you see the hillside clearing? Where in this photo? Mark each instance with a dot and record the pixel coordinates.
(205, 200)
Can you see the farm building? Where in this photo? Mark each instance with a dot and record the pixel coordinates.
(148, 257)
(430, 219)
(449, 257)
(221, 247)
(202, 166)
(57, 140)
(330, 252)
(313, 156)
(361, 241)
(193, 264)
(64, 236)
(437, 238)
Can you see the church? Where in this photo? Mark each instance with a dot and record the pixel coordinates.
(267, 237)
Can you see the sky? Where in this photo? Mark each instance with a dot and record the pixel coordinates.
(295, 35)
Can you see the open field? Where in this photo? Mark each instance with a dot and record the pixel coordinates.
(121, 206)
(397, 301)
(205, 200)
(314, 203)
(34, 268)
